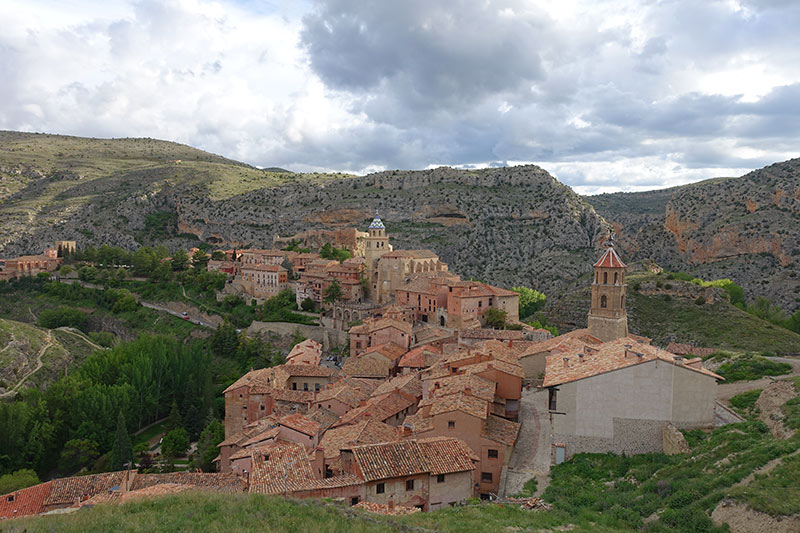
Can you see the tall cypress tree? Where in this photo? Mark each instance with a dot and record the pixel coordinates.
(122, 451)
(174, 420)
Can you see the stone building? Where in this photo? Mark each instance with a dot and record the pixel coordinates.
(374, 332)
(261, 282)
(608, 319)
(29, 265)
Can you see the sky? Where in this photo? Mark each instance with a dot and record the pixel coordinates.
(607, 95)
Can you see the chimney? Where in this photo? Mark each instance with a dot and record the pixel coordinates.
(566, 361)
(678, 360)
(511, 343)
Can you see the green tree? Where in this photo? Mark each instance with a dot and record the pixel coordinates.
(307, 305)
(207, 450)
(18, 480)
(200, 260)
(332, 293)
(121, 451)
(174, 420)
(218, 255)
(77, 454)
(163, 272)
(793, 323)
(495, 318)
(180, 260)
(65, 270)
(63, 316)
(530, 300)
(175, 444)
(224, 341)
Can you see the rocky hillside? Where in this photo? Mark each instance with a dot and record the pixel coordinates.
(747, 229)
(32, 356)
(505, 225)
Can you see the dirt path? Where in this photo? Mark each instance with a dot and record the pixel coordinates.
(82, 337)
(48, 343)
(531, 456)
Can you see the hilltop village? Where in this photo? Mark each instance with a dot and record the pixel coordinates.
(444, 392)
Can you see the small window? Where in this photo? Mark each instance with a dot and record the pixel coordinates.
(294, 386)
(552, 396)
(380, 488)
(262, 407)
(451, 424)
(492, 454)
(305, 386)
(409, 484)
(316, 387)
(486, 476)
(603, 301)
(605, 278)
(354, 501)
(329, 406)
(10, 498)
(440, 478)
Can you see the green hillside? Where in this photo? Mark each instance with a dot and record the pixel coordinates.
(38, 355)
(662, 310)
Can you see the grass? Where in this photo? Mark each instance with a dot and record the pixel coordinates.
(718, 325)
(791, 410)
(752, 366)
(746, 401)
(776, 492)
(152, 431)
(528, 489)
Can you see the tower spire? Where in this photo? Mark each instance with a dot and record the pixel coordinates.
(608, 319)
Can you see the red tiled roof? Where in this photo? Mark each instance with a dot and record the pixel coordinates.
(308, 370)
(411, 457)
(306, 352)
(25, 502)
(610, 259)
(390, 350)
(461, 402)
(496, 364)
(479, 386)
(323, 417)
(284, 467)
(379, 408)
(372, 325)
(501, 430)
(407, 383)
(344, 393)
(252, 378)
(486, 333)
(300, 423)
(364, 432)
(420, 357)
(70, 489)
(610, 356)
(223, 482)
(367, 365)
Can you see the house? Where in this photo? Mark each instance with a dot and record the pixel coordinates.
(24, 502)
(261, 282)
(339, 398)
(367, 431)
(375, 362)
(620, 397)
(391, 409)
(299, 429)
(419, 358)
(71, 491)
(401, 473)
(29, 265)
(374, 332)
(307, 352)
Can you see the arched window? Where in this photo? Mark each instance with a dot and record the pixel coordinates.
(603, 301)
(597, 277)
(616, 277)
(605, 278)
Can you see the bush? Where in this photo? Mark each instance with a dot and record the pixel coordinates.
(175, 443)
(746, 400)
(700, 300)
(18, 480)
(63, 317)
(751, 367)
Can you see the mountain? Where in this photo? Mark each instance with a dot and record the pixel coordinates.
(746, 229)
(503, 225)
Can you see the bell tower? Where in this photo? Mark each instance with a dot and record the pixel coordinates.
(608, 319)
(376, 244)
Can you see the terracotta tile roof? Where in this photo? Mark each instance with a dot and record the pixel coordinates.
(292, 396)
(407, 383)
(447, 455)
(497, 364)
(282, 468)
(307, 352)
(427, 334)
(418, 423)
(261, 436)
(390, 350)
(479, 386)
(461, 402)
(372, 325)
(366, 386)
(574, 340)
(223, 482)
(610, 356)
(254, 377)
(342, 392)
(501, 430)
(367, 365)
(420, 357)
(343, 480)
(485, 333)
(610, 259)
(25, 502)
(379, 408)
(411, 457)
(68, 490)
(364, 432)
(262, 268)
(308, 370)
(300, 423)
(323, 417)
(419, 285)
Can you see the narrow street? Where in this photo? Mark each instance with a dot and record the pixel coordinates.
(531, 457)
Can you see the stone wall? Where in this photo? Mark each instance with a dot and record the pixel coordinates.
(674, 441)
(630, 436)
(329, 338)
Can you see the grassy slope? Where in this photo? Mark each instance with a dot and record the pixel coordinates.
(718, 325)
(66, 350)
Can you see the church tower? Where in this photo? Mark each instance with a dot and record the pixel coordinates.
(608, 319)
(376, 244)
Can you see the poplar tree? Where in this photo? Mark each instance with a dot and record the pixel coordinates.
(122, 451)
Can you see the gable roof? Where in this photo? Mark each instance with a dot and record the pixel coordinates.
(420, 357)
(367, 365)
(461, 401)
(307, 352)
(379, 408)
(447, 455)
(371, 326)
(341, 392)
(390, 350)
(300, 423)
(610, 356)
(66, 491)
(479, 386)
(411, 457)
(223, 482)
(364, 432)
(282, 467)
(501, 430)
(25, 502)
(407, 383)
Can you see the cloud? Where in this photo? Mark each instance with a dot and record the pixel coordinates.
(606, 94)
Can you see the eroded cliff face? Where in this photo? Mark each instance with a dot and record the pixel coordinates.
(506, 226)
(744, 228)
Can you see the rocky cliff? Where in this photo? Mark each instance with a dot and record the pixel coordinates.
(747, 229)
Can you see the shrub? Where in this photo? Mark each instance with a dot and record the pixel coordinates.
(63, 317)
(751, 367)
(746, 400)
(700, 300)
(18, 480)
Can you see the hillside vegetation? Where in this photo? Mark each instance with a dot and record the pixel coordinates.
(668, 310)
(38, 355)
